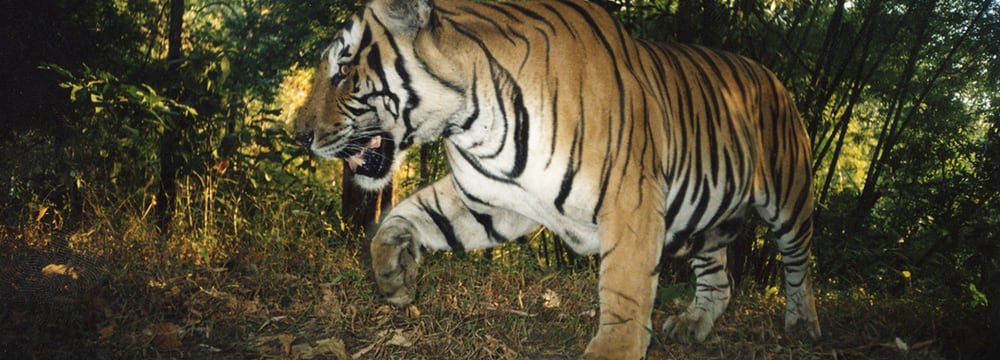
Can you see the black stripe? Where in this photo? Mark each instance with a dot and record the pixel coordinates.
(468, 196)
(527, 47)
(737, 75)
(702, 205)
(572, 166)
(605, 179)
(709, 267)
(412, 99)
(575, 157)
(442, 222)
(559, 15)
(500, 77)
(505, 87)
(606, 168)
(486, 221)
(474, 162)
(356, 111)
(366, 39)
(520, 136)
(673, 245)
(489, 20)
(475, 104)
(501, 9)
(555, 122)
(532, 14)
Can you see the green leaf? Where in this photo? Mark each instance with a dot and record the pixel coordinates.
(73, 89)
(275, 131)
(224, 69)
(979, 299)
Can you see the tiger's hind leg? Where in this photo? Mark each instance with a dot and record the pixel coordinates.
(712, 286)
(794, 238)
(792, 226)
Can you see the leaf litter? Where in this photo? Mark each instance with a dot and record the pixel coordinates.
(486, 311)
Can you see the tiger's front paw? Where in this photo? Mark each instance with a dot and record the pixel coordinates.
(690, 326)
(396, 258)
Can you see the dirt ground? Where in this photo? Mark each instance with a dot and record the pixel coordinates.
(467, 308)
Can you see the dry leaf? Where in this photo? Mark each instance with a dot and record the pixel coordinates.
(106, 332)
(324, 348)
(383, 314)
(164, 336)
(60, 269)
(286, 343)
(261, 340)
(302, 351)
(221, 166)
(398, 338)
(499, 349)
(209, 348)
(41, 213)
(328, 295)
(385, 337)
(332, 346)
(551, 299)
(412, 311)
(901, 345)
(363, 351)
(172, 292)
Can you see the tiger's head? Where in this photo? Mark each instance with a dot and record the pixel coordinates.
(374, 93)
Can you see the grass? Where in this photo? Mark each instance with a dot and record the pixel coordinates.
(318, 302)
(284, 281)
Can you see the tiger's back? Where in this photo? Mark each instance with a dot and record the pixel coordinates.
(687, 119)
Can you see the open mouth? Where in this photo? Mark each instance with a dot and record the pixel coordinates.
(374, 158)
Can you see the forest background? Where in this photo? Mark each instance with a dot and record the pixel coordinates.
(153, 205)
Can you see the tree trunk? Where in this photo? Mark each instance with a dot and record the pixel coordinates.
(360, 209)
(426, 157)
(169, 159)
(886, 141)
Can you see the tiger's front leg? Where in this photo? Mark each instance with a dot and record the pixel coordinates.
(630, 255)
(435, 218)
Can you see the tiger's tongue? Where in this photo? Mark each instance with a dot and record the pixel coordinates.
(357, 160)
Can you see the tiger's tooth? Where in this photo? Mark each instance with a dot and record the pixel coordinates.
(356, 161)
(375, 142)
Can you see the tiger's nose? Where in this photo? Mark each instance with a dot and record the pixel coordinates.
(304, 138)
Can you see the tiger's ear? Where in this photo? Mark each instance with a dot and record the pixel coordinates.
(404, 16)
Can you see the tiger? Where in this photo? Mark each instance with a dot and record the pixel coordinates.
(551, 114)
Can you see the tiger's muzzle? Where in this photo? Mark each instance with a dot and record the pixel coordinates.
(370, 156)
(374, 159)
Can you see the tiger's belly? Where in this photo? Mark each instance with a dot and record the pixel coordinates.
(581, 236)
(534, 200)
